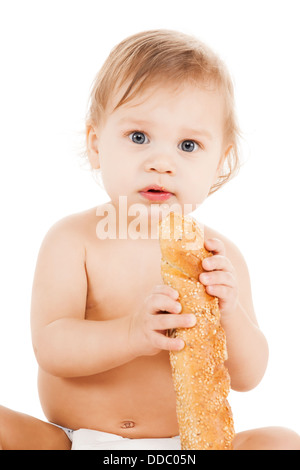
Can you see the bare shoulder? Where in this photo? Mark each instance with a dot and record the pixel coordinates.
(70, 238)
(233, 253)
(71, 235)
(231, 249)
(60, 283)
(77, 225)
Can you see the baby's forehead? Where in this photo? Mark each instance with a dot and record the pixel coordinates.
(158, 93)
(167, 109)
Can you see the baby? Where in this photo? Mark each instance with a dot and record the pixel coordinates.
(162, 130)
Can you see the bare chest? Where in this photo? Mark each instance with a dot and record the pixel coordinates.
(120, 275)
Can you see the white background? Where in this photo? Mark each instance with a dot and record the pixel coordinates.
(50, 53)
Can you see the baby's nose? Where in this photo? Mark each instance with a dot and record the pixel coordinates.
(161, 164)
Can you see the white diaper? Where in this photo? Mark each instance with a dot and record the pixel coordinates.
(87, 439)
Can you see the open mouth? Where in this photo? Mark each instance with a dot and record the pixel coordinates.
(156, 193)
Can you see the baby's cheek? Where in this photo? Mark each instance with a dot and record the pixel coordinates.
(193, 195)
(199, 188)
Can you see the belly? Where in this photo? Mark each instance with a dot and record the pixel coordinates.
(135, 400)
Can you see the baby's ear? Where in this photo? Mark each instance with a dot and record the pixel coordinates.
(222, 160)
(224, 156)
(92, 144)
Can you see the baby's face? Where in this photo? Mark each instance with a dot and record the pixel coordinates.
(171, 139)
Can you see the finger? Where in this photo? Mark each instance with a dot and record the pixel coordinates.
(222, 292)
(218, 262)
(215, 245)
(167, 322)
(224, 278)
(169, 344)
(166, 290)
(161, 302)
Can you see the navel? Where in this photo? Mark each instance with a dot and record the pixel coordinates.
(128, 424)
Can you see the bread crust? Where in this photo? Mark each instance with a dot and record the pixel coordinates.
(200, 378)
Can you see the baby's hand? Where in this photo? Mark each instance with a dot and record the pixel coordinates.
(220, 277)
(160, 312)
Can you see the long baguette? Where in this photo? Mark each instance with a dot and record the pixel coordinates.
(200, 378)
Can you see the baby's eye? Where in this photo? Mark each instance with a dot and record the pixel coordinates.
(138, 137)
(188, 145)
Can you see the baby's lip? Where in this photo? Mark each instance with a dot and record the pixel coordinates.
(156, 188)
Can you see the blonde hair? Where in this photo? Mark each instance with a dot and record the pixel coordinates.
(168, 57)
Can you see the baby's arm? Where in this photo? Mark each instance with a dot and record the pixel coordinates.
(228, 279)
(66, 344)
